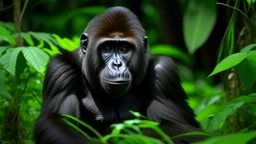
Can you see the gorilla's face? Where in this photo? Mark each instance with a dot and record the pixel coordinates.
(114, 63)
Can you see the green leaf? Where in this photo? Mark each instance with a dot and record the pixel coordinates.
(247, 69)
(9, 60)
(36, 57)
(227, 109)
(250, 2)
(2, 49)
(219, 118)
(6, 36)
(237, 138)
(46, 37)
(21, 64)
(8, 25)
(28, 38)
(248, 48)
(170, 51)
(66, 43)
(206, 112)
(198, 22)
(229, 62)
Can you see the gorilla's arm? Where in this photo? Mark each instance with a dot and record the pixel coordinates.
(59, 96)
(169, 106)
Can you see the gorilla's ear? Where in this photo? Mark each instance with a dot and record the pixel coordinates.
(146, 43)
(84, 42)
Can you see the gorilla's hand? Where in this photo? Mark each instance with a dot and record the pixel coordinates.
(89, 104)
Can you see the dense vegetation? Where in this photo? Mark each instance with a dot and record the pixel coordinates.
(212, 42)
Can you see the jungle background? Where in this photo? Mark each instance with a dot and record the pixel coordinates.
(212, 43)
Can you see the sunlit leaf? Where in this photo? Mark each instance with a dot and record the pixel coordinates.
(6, 36)
(198, 22)
(28, 38)
(66, 43)
(36, 57)
(250, 2)
(229, 62)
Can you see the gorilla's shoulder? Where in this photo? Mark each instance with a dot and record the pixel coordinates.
(67, 58)
(162, 63)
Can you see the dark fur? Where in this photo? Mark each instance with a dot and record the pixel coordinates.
(155, 92)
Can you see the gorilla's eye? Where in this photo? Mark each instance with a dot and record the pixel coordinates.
(107, 48)
(124, 49)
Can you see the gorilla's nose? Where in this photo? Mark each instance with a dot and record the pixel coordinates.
(117, 64)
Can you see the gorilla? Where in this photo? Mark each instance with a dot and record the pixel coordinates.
(111, 73)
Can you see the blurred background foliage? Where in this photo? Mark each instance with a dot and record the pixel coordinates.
(212, 43)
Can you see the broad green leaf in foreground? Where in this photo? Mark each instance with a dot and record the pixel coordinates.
(229, 62)
(36, 57)
(9, 60)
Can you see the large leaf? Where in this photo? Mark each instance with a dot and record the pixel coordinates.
(198, 22)
(6, 36)
(229, 62)
(9, 60)
(247, 69)
(36, 57)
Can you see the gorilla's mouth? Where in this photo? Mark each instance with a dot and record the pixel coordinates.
(117, 87)
(117, 82)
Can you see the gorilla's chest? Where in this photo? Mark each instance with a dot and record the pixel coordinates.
(100, 114)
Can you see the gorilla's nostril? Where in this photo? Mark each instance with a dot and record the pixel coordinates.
(117, 63)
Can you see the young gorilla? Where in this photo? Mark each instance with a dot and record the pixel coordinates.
(111, 73)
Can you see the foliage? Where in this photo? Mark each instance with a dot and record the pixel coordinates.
(198, 22)
(22, 70)
(21, 74)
